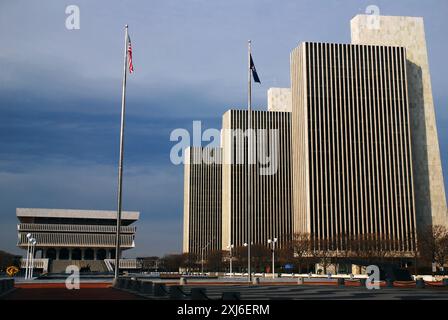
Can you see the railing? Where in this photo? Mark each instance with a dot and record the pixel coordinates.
(124, 264)
(37, 263)
(109, 266)
(76, 240)
(30, 227)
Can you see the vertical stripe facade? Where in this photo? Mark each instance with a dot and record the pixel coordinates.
(409, 32)
(202, 200)
(352, 164)
(271, 193)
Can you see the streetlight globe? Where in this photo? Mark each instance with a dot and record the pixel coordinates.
(269, 240)
(28, 235)
(245, 244)
(275, 239)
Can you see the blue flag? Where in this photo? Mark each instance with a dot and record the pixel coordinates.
(254, 71)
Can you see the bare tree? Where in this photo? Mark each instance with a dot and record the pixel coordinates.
(301, 248)
(261, 257)
(322, 251)
(284, 254)
(373, 248)
(189, 261)
(215, 260)
(434, 244)
(240, 257)
(172, 262)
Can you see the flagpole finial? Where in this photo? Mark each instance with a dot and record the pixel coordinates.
(126, 26)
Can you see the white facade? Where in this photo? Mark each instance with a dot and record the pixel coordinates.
(279, 99)
(64, 234)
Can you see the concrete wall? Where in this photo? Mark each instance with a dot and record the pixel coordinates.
(279, 99)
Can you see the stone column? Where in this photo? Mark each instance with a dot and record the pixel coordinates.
(70, 250)
(83, 252)
(94, 253)
(58, 251)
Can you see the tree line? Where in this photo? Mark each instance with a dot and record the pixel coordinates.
(303, 251)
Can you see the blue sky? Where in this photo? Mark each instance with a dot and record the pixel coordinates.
(60, 93)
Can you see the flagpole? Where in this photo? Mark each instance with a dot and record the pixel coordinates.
(249, 149)
(120, 164)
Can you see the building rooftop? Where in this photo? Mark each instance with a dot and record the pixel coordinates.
(75, 214)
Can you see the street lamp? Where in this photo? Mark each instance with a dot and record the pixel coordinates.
(230, 247)
(33, 248)
(272, 243)
(248, 258)
(202, 254)
(27, 263)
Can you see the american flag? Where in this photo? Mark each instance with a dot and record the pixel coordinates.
(130, 65)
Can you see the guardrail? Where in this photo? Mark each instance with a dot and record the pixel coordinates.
(41, 263)
(76, 239)
(22, 227)
(124, 264)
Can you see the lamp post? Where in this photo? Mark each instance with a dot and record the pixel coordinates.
(33, 247)
(202, 254)
(27, 263)
(230, 247)
(272, 242)
(248, 257)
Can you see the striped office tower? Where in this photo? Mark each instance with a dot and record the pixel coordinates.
(270, 193)
(409, 32)
(352, 163)
(202, 200)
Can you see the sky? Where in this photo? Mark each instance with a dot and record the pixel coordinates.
(60, 94)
